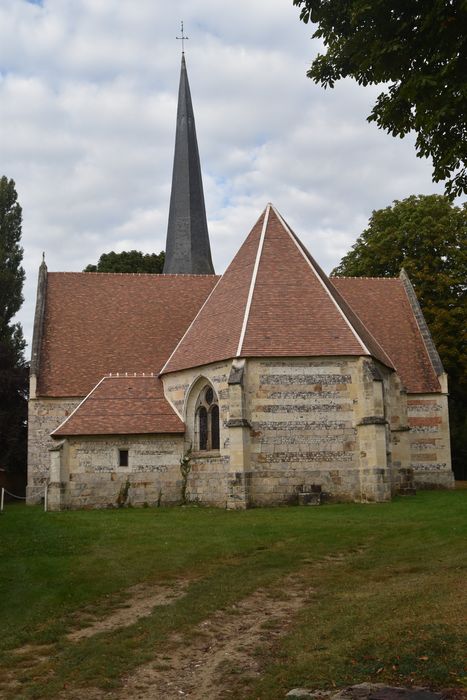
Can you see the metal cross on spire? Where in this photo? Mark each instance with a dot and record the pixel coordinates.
(182, 38)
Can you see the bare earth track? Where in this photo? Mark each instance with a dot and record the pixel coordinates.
(221, 649)
(213, 660)
(218, 654)
(140, 603)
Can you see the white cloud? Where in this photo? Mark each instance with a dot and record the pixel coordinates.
(88, 96)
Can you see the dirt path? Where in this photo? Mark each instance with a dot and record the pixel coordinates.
(222, 652)
(216, 659)
(141, 602)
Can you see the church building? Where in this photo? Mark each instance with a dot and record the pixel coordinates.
(270, 384)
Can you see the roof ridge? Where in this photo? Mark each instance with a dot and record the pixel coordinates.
(354, 331)
(422, 325)
(363, 277)
(157, 275)
(191, 324)
(78, 406)
(130, 375)
(331, 296)
(253, 279)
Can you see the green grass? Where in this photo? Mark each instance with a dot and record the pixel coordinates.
(393, 609)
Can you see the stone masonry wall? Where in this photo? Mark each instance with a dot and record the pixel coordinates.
(398, 426)
(372, 409)
(430, 452)
(303, 428)
(45, 415)
(286, 424)
(209, 477)
(94, 479)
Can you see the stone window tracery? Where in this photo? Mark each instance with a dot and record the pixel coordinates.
(207, 420)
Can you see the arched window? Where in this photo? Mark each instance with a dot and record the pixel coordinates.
(203, 428)
(215, 438)
(207, 420)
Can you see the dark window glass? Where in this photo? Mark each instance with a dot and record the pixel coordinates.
(209, 395)
(215, 428)
(203, 428)
(123, 458)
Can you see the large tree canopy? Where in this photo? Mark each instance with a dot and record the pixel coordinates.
(427, 236)
(419, 49)
(11, 255)
(129, 261)
(13, 370)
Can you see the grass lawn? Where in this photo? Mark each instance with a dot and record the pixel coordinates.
(388, 580)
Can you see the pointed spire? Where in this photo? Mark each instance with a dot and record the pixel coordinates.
(187, 247)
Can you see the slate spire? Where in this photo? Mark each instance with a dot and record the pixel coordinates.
(187, 248)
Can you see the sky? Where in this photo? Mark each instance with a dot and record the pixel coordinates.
(88, 99)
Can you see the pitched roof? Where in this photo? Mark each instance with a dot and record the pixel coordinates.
(123, 405)
(187, 249)
(383, 305)
(101, 323)
(273, 300)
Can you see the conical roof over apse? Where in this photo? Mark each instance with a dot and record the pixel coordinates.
(187, 248)
(273, 300)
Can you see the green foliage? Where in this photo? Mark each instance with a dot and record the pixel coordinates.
(122, 496)
(11, 255)
(427, 236)
(185, 469)
(419, 50)
(13, 371)
(129, 261)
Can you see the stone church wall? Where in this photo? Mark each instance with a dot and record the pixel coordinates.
(287, 425)
(208, 481)
(336, 423)
(90, 475)
(303, 428)
(45, 415)
(294, 423)
(430, 453)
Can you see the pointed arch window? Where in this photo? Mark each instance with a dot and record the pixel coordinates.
(215, 437)
(207, 420)
(203, 428)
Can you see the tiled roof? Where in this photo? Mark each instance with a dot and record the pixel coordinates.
(101, 323)
(123, 405)
(273, 300)
(215, 332)
(383, 306)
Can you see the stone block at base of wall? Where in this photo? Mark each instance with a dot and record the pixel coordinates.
(433, 480)
(403, 482)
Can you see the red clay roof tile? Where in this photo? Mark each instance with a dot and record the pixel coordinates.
(123, 405)
(273, 300)
(384, 308)
(215, 332)
(101, 323)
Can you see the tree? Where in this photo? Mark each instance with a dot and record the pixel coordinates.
(419, 50)
(13, 369)
(427, 235)
(129, 261)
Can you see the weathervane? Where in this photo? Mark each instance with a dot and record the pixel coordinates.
(183, 38)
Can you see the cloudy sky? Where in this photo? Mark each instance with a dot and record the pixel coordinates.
(88, 92)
